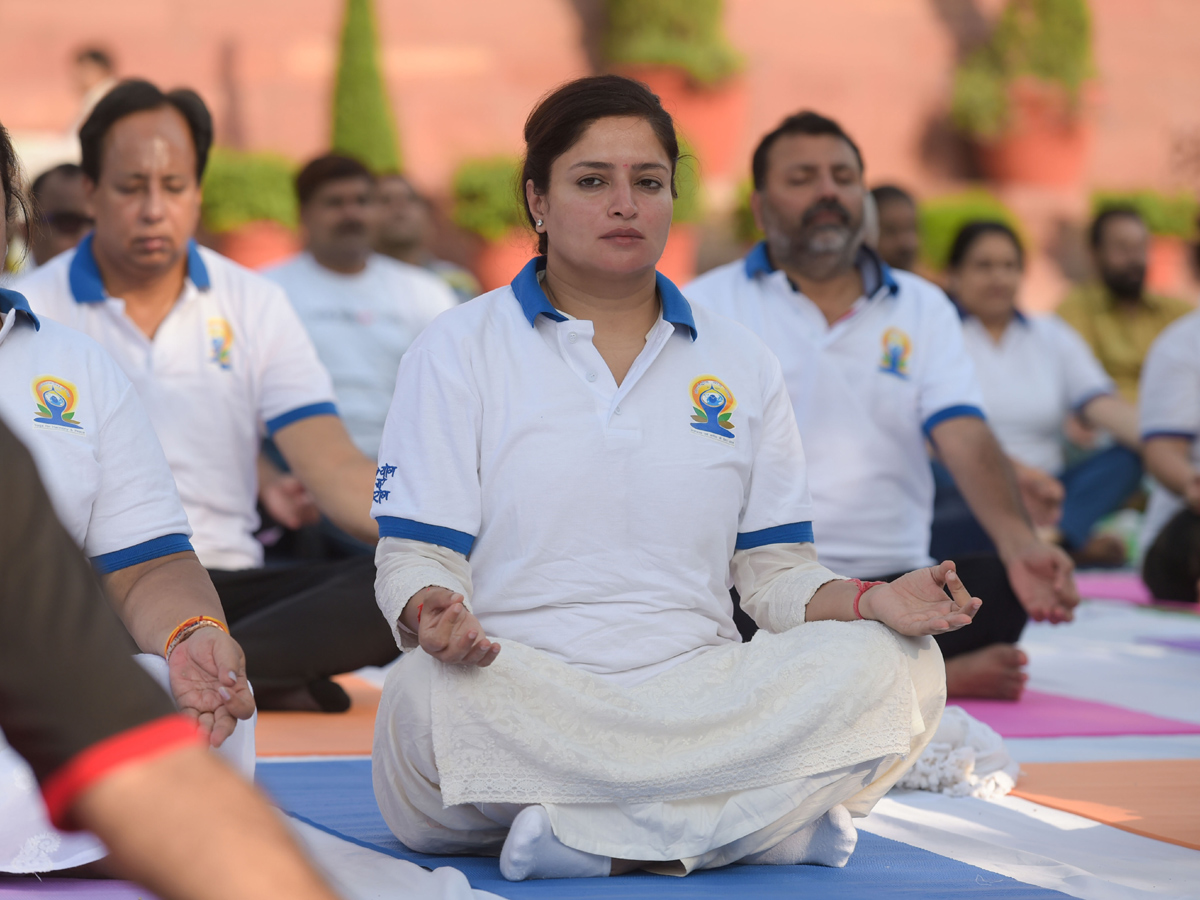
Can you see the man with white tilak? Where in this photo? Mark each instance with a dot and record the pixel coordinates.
(218, 358)
(875, 366)
(575, 466)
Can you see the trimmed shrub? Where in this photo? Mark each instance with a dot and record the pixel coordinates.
(685, 34)
(363, 124)
(240, 188)
(486, 196)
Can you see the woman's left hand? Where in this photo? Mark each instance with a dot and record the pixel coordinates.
(208, 681)
(916, 604)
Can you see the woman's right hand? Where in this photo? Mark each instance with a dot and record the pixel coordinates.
(447, 630)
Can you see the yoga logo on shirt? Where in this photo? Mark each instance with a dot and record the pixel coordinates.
(896, 349)
(56, 400)
(220, 339)
(714, 404)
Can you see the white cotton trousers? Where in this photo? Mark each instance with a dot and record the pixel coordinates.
(29, 843)
(679, 835)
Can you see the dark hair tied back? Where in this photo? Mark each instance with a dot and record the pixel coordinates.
(134, 96)
(10, 182)
(561, 117)
(973, 231)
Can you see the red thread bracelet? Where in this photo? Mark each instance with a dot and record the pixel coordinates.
(863, 587)
(420, 606)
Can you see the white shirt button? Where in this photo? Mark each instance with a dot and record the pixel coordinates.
(591, 376)
(617, 410)
(572, 337)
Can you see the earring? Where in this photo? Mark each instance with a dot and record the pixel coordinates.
(539, 223)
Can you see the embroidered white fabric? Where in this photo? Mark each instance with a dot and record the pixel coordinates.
(530, 729)
(966, 758)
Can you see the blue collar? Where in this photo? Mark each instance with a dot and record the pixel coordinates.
(10, 300)
(88, 287)
(675, 308)
(964, 315)
(874, 271)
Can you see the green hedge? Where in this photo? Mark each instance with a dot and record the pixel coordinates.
(940, 219)
(248, 187)
(485, 193)
(745, 229)
(1168, 215)
(689, 205)
(685, 34)
(1049, 40)
(363, 124)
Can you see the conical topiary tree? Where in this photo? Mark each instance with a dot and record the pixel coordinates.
(363, 124)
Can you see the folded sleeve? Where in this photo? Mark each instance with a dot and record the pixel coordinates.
(777, 508)
(403, 567)
(67, 680)
(948, 387)
(294, 384)
(427, 486)
(776, 581)
(137, 514)
(1169, 395)
(1083, 376)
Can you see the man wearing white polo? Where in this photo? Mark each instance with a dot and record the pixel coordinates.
(219, 358)
(875, 367)
(362, 309)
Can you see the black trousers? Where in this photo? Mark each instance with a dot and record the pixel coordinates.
(305, 622)
(1000, 620)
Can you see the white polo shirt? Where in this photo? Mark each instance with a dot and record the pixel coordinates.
(1169, 406)
(867, 390)
(1040, 371)
(230, 362)
(94, 446)
(361, 325)
(600, 520)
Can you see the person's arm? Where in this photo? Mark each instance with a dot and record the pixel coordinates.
(1169, 459)
(1116, 416)
(319, 450)
(1041, 574)
(284, 496)
(185, 826)
(208, 668)
(1041, 493)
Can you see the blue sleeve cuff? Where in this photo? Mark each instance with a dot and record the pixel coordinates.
(795, 533)
(951, 412)
(107, 563)
(302, 412)
(1186, 435)
(458, 541)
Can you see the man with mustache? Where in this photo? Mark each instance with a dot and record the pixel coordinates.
(875, 366)
(218, 358)
(362, 309)
(1116, 316)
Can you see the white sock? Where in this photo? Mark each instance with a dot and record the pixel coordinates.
(829, 841)
(532, 851)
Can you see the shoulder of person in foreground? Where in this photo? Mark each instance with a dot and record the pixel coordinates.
(48, 287)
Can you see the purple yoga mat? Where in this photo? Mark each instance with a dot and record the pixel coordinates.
(71, 889)
(1049, 715)
(1125, 586)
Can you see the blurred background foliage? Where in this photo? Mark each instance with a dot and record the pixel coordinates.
(686, 34)
(242, 187)
(939, 220)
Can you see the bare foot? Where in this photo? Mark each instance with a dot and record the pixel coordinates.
(993, 671)
(1106, 551)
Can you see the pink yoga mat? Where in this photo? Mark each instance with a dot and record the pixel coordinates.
(1125, 586)
(71, 889)
(1049, 715)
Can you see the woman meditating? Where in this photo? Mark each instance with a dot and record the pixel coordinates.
(1035, 374)
(573, 471)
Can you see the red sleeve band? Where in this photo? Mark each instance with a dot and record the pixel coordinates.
(144, 742)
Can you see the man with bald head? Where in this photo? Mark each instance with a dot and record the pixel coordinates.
(219, 359)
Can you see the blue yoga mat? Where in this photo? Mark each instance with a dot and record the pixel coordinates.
(336, 796)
